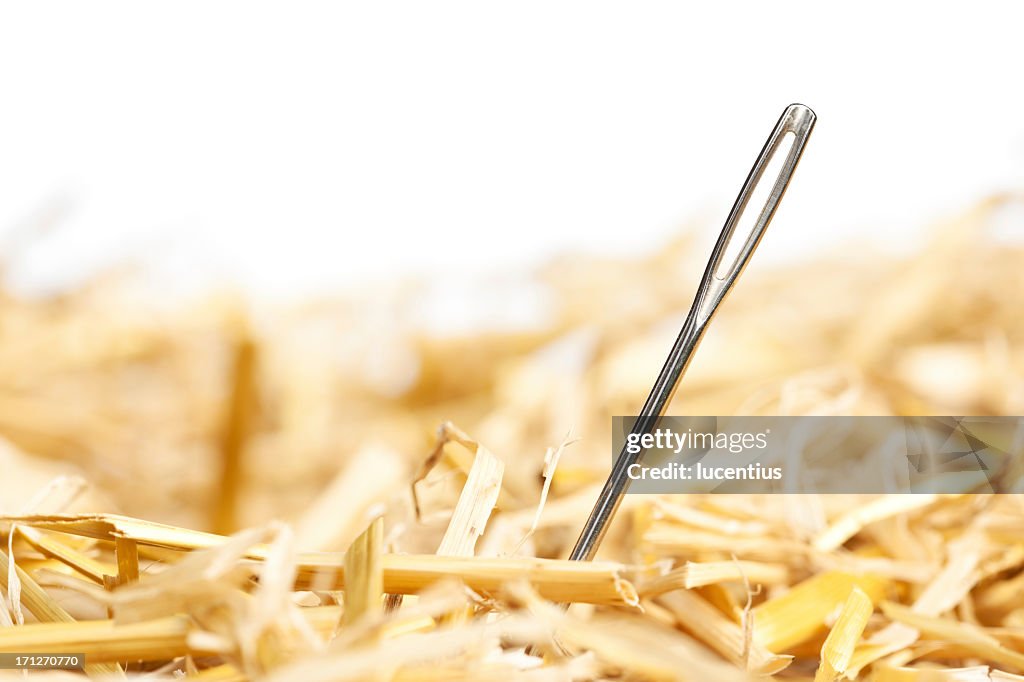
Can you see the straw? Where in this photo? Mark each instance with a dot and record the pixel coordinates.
(362, 497)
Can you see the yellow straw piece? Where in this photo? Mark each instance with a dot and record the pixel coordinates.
(843, 637)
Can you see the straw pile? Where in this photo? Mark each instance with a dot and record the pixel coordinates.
(414, 552)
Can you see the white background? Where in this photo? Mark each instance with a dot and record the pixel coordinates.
(302, 147)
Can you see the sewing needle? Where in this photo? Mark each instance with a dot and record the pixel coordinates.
(794, 128)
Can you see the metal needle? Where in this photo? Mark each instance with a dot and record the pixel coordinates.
(719, 277)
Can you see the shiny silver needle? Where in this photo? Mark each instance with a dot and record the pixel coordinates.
(719, 277)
